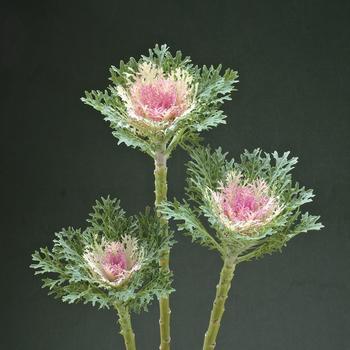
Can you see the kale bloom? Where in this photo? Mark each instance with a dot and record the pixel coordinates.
(113, 263)
(160, 100)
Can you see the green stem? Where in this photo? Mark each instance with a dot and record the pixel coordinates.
(126, 328)
(218, 309)
(160, 181)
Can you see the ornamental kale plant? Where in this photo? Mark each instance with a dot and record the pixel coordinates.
(252, 206)
(243, 209)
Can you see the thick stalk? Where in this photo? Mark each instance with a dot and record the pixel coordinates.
(126, 328)
(161, 187)
(218, 309)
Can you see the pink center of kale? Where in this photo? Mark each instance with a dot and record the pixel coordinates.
(162, 99)
(114, 262)
(156, 98)
(242, 203)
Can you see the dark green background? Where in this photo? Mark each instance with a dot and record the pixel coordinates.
(59, 156)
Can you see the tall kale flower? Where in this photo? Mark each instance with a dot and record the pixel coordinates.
(104, 266)
(161, 100)
(252, 206)
(156, 103)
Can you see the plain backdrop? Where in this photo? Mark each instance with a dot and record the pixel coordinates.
(59, 156)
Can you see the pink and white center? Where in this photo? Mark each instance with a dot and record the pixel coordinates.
(161, 99)
(245, 206)
(114, 261)
(243, 203)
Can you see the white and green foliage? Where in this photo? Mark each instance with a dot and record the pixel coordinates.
(68, 277)
(207, 169)
(212, 88)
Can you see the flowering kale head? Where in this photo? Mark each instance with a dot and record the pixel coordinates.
(253, 206)
(162, 99)
(113, 262)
